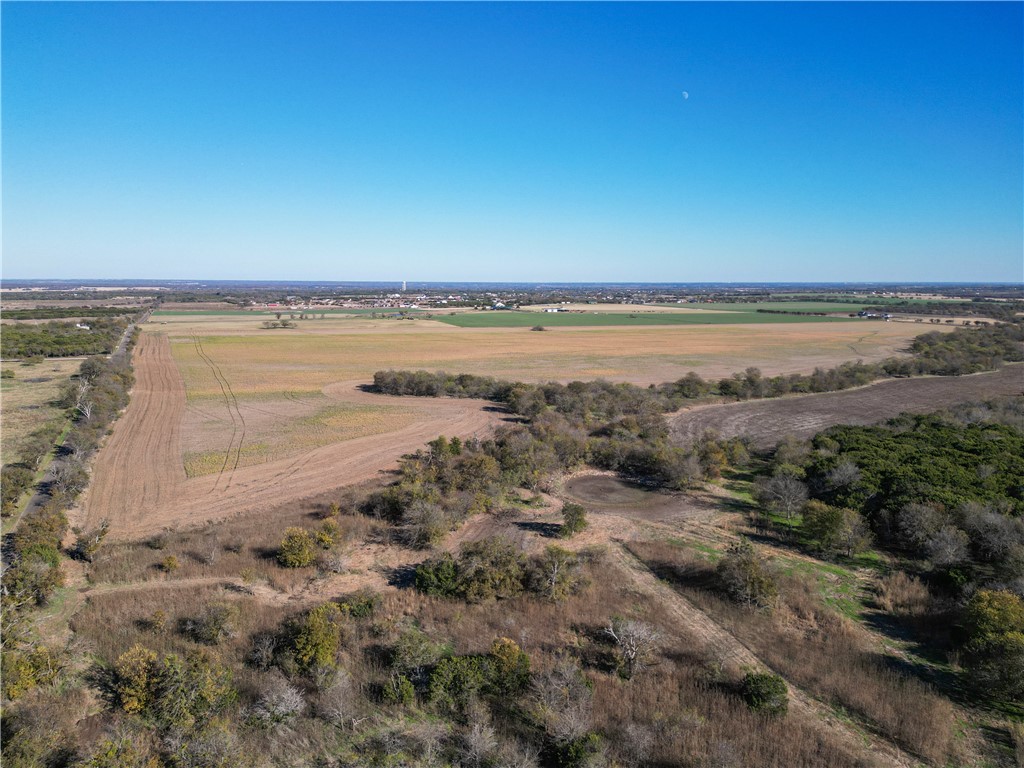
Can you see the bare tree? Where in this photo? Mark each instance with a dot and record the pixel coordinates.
(948, 546)
(279, 702)
(336, 704)
(562, 700)
(478, 744)
(781, 492)
(636, 642)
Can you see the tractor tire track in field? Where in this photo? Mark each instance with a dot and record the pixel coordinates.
(139, 466)
(765, 422)
(233, 411)
(139, 482)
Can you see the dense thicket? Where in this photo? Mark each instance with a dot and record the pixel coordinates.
(54, 313)
(56, 339)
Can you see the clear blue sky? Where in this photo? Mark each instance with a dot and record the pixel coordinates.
(833, 141)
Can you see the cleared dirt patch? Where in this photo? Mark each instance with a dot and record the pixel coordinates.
(765, 422)
(607, 494)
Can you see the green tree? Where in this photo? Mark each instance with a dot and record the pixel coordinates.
(508, 667)
(574, 520)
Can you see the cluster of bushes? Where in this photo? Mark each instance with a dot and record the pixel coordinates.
(607, 426)
(56, 339)
(32, 552)
(494, 568)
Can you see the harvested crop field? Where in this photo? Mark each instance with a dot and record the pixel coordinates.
(765, 422)
(319, 352)
(139, 482)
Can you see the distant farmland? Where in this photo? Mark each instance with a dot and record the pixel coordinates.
(507, 319)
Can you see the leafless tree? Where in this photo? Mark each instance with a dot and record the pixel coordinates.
(636, 642)
(336, 704)
(948, 546)
(562, 700)
(781, 492)
(261, 655)
(635, 744)
(478, 744)
(845, 474)
(279, 702)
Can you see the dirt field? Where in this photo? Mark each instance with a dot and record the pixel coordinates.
(26, 399)
(139, 482)
(766, 422)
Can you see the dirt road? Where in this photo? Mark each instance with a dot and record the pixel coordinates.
(765, 422)
(139, 484)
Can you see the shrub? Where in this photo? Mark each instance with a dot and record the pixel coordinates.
(766, 693)
(454, 682)
(169, 564)
(316, 637)
(508, 667)
(215, 623)
(297, 550)
(746, 577)
(574, 520)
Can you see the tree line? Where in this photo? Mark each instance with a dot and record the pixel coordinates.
(32, 552)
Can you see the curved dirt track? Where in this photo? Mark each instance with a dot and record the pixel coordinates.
(139, 483)
(765, 422)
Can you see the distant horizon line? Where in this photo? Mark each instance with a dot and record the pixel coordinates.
(153, 282)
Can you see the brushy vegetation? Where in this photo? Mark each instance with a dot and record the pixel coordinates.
(32, 552)
(58, 339)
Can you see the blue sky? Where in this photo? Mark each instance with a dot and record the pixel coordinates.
(358, 141)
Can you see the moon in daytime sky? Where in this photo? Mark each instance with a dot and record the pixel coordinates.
(686, 94)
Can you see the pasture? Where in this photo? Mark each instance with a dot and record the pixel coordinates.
(28, 400)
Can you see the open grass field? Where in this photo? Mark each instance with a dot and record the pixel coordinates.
(508, 319)
(27, 400)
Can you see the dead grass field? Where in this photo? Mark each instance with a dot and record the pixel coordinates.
(765, 422)
(27, 399)
(319, 352)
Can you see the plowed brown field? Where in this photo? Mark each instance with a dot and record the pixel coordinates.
(139, 482)
(765, 422)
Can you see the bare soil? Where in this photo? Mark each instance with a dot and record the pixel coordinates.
(765, 422)
(139, 483)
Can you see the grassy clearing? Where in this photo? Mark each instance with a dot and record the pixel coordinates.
(503, 319)
(28, 400)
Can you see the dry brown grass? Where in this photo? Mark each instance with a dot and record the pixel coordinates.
(824, 653)
(27, 400)
(903, 595)
(322, 351)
